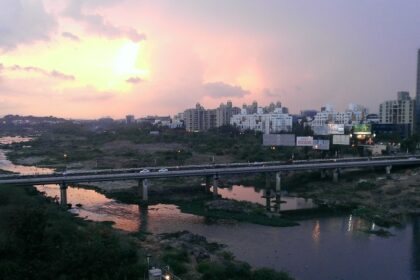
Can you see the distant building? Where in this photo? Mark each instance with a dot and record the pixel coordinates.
(267, 123)
(199, 119)
(400, 111)
(417, 111)
(402, 130)
(157, 120)
(225, 112)
(129, 119)
(178, 121)
(308, 114)
(372, 118)
(354, 114)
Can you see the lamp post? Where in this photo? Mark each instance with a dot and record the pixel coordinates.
(65, 162)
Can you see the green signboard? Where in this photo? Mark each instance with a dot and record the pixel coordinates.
(362, 129)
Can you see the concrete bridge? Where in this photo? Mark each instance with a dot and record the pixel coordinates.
(210, 172)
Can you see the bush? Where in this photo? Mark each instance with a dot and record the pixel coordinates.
(40, 241)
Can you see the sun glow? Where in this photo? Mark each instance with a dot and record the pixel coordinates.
(125, 59)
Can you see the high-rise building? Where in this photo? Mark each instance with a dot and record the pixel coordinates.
(225, 112)
(398, 111)
(417, 118)
(129, 119)
(199, 119)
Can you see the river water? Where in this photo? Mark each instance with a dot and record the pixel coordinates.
(322, 248)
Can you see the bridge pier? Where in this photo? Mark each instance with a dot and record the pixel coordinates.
(335, 175)
(278, 192)
(143, 214)
(267, 195)
(388, 170)
(215, 186)
(267, 181)
(278, 182)
(323, 174)
(63, 194)
(207, 186)
(143, 189)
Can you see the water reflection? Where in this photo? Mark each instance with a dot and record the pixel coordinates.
(316, 232)
(261, 196)
(415, 248)
(7, 165)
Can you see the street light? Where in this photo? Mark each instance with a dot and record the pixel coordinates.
(65, 161)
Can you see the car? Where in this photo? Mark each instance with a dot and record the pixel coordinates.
(163, 170)
(412, 158)
(144, 171)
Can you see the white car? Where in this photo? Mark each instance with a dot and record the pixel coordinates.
(163, 170)
(144, 171)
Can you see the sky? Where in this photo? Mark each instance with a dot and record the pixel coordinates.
(96, 58)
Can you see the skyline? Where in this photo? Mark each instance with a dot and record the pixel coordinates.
(92, 58)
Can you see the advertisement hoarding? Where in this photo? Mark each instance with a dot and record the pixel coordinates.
(362, 129)
(328, 129)
(341, 139)
(335, 128)
(305, 141)
(321, 145)
(287, 140)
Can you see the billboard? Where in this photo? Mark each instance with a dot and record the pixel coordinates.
(306, 141)
(320, 130)
(328, 129)
(321, 145)
(335, 128)
(341, 139)
(362, 129)
(287, 140)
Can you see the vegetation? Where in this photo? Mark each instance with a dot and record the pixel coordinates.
(39, 241)
(139, 148)
(229, 269)
(197, 207)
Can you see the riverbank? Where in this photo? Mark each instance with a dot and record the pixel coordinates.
(41, 241)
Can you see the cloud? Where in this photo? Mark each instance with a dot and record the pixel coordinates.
(24, 22)
(97, 24)
(134, 80)
(275, 93)
(70, 36)
(53, 73)
(89, 97)
(220, 89)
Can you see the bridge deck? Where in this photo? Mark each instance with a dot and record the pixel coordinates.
(206, 170)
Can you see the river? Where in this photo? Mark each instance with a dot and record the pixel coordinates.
(321, 248)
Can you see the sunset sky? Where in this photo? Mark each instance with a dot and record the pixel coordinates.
(94, 58)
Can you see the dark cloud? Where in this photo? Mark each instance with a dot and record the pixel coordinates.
(53, 73)
(24, 22)
(70, 36)
(134, 80)
(220, 89)
(97, 24)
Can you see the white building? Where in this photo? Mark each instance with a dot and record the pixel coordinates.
(400, 111)
(268, 123)
(354, 114)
